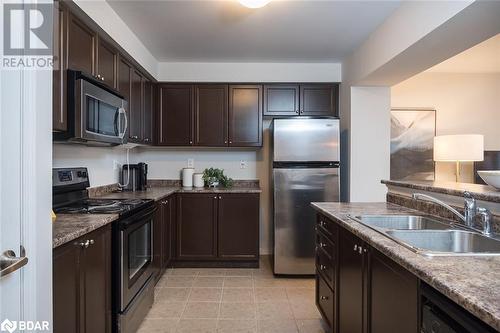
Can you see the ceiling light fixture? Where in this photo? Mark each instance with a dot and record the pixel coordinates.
(254, 3)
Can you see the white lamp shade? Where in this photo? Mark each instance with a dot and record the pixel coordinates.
(254, 3)
(459, 148)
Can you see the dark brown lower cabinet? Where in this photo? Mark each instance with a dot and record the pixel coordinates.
(197, 226)
(217, 227)
(238, 226)
(82, 284)
(372, 294)
(393, 296)
(162, 236)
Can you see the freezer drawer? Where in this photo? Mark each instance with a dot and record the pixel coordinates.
(312, 140)
(294, 218)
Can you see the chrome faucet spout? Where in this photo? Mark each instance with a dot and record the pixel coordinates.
(426, 197)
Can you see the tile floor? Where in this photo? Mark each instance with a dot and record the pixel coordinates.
(233, 301)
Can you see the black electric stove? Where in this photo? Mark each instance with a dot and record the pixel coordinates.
(70, 196)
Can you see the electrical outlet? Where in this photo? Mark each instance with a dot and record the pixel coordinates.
(190, 163)
(243, 164)
(116, 165)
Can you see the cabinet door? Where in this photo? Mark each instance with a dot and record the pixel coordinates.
(107, 59)
(168, 234)
(81, 44)
(238, 234)
(350, 288)
(60, 115)
(318, 100)
(281, 100)
(245, 115)
(158, 240)
(147, 115)
(66, 290)
(96, 267)
(136, 108)
(393, 297)
(196, 226)
(210, 128)
(176, 115)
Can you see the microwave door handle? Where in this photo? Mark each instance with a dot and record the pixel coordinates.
(120, 112)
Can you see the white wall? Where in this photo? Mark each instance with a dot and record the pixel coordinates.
(249, 72)
(99, 161)
(102, 13)
(465, 103)
(370, 142)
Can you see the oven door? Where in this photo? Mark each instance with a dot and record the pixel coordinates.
(136, 254)
(103, 115)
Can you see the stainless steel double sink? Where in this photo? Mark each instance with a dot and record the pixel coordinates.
(431, 237)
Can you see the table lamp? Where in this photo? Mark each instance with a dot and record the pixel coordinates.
(459, 148)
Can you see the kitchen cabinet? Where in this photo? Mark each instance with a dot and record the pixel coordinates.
(125, 79)
(168, 218)
(281, 100)
(162, 236)
(372, 294)
(107, 63)
(197, 226)
(136, 107)
(81, 46)
(393, 305)
(352, 282)
(175, 117)
(245, 116)
(82, 284)
(147, 114)
(217, 230)
(318, 100)
(238, 234)
(59, 83)
(210, 115)
(158, 241)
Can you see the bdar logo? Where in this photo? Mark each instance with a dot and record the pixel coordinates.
(8, 325)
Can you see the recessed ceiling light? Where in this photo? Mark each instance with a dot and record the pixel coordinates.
(254, 3)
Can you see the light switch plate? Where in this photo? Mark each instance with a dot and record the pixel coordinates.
(243, 164)
(190, 163)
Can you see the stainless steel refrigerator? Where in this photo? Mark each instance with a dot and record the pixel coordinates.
(305, 168)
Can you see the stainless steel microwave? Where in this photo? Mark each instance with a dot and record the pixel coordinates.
(97, 114)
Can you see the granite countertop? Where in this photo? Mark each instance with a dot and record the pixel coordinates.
(472, 282)
(68, 227)
(480, 192)
(157, 193)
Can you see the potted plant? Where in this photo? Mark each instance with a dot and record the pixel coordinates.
(214, 177)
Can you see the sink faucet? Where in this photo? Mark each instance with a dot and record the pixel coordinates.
(470, 209)
(464, 218)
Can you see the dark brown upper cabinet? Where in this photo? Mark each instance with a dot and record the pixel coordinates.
(281, 100)
(147, 115)
(318, 100)
(197, 228)
(107, 63)
(238, 234)
(60, 117)
(210, 115)
(125, 79)
(175, 118)
(81, 46)
(136, 107)
(245, 116)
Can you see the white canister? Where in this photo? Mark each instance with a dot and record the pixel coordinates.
(187, 177)
(198, 180)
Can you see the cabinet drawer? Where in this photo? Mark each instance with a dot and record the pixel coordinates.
(323, 243)
(326, 267)
(324, 300)
(328, 227)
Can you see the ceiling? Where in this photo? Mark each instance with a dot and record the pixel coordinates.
(225, 31)
(482, 58)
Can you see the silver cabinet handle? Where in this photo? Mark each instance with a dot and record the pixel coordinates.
(322, 267)
(215, 197)
(84, 244)
(135, 137)
(146, 139)
(220, 197)
(230, 142)
(297, 111)
(355, 247)
(10, 263)
(322, 245)
(365, 250)
(324, 298)
(225, 141)
(91, 242)
(360, 250)
(98, 76)
(190, 142)
(102, 78)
